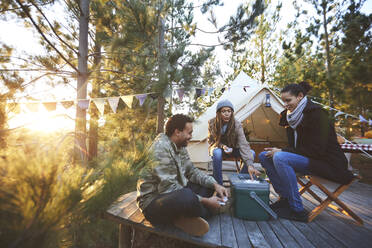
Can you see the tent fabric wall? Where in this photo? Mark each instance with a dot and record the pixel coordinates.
(249, 109)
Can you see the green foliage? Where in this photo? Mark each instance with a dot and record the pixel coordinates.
(45, 201)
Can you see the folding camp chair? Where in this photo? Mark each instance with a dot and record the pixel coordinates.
(306, 181)
(238, 162)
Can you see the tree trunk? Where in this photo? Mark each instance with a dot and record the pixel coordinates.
(262, 53)
(162, 79)
(328, 65)
(82, 79)
(262, 62)
(93, 122)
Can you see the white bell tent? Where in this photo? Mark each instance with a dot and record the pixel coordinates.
(251, 108)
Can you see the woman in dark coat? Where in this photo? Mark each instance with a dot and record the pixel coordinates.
(313, 149)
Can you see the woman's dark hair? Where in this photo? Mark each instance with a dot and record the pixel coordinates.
(177, 121)
(295, 89)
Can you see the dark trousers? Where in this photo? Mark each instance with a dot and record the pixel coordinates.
(165, 208)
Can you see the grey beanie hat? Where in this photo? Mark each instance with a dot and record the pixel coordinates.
(224, 103)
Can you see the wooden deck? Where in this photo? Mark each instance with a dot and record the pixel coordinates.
(329, 229)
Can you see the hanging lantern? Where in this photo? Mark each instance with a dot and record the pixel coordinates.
(267, 101)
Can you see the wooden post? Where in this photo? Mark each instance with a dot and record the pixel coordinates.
(125, 236)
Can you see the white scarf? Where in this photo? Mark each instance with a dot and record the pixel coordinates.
(295, 117)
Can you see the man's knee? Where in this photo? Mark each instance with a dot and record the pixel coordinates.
(187, 196)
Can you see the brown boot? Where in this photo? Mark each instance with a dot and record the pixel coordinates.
(195, 226)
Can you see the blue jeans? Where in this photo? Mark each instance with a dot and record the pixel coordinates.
(281, 171)
(218, 154)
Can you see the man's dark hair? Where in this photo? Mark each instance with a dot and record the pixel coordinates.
(177, 121)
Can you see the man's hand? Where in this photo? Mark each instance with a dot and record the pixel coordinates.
(252, 171)
(220, 190)
(271, 151)
(212, 202)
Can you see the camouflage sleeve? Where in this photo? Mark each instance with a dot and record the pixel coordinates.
(196, 176)
(165, 170)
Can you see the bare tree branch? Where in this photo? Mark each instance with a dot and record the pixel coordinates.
(52, 28)
(43, 35)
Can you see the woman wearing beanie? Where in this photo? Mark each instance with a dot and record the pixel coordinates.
(226, 139)
(313, 148)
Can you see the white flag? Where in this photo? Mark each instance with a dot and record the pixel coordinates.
(128, 100)
(84, 104)
(339, 113)
(113, 102)
(100, 104)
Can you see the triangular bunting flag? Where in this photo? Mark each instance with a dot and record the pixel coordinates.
(33, 106)
(339, 113)
(67, 104)
(100, 104)
(180, 93)
(128, 100)
(14, 107)
(199, 92)
(210, 91)
(113, 102)
(362, 119)
(50, 106)
(141, 98)
(83, 103)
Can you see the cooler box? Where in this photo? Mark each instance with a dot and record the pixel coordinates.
(244, 201)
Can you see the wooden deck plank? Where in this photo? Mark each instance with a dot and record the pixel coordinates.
(329, 229)
(255, 235)
(228, 238)
(296, 234)
(365, 216)
(122, 202)
(137, 216)
(214, 234)
(285, 238)
(127, 211)
(332, 241)
(315, 237)
(269, 234)
(345, 233)
(240, 232)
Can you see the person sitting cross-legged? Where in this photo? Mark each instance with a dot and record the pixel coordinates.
(173, 191)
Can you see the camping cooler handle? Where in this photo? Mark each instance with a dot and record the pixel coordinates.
(253, 195)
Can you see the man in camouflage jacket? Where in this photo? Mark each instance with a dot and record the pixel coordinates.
(173, 190)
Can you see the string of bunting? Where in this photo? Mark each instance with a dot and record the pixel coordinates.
(113, 102)
(83, 103)
(340, 113)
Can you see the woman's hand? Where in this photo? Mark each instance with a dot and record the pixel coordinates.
(271, 151)
(227, 149)
(252, 171)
